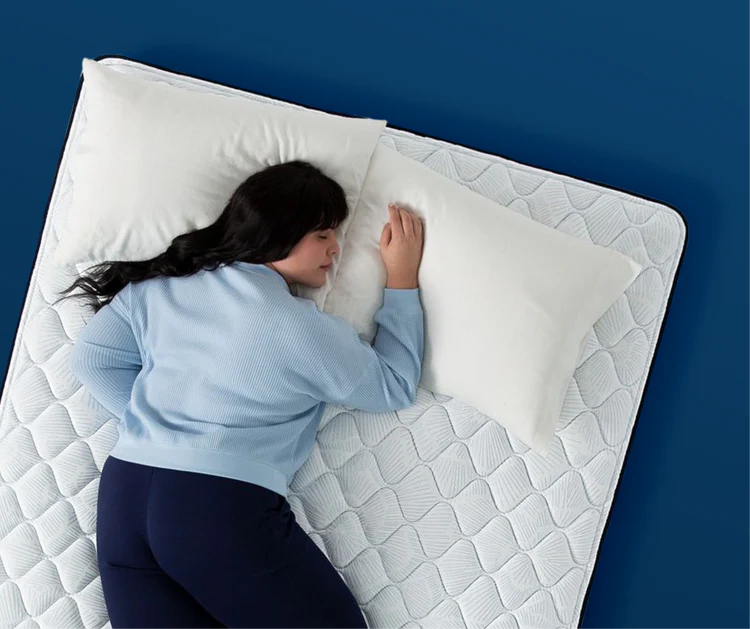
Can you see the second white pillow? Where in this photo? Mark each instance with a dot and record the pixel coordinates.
(508, 301)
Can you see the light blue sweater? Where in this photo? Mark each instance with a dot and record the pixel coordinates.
(226, 372)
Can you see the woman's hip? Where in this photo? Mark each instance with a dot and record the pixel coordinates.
(181, 513)
(234, 546)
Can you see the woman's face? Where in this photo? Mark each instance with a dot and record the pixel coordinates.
(310, 259)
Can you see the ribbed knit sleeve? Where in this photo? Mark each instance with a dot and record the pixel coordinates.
(341, 368)
(106, 358)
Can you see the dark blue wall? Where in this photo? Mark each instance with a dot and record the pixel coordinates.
(647, 96)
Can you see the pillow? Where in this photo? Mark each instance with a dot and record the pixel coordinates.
(155, 160)
(508, 302)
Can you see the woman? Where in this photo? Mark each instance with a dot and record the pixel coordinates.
(219, 374)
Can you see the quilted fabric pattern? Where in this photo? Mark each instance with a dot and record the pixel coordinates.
(434, 516)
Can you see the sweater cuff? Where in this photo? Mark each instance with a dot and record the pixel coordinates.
(405, 299)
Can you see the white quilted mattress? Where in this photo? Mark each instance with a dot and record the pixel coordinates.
(434, 516)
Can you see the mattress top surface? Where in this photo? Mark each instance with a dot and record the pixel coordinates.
(434, 515)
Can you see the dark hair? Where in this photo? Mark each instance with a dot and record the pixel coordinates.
(269, 213)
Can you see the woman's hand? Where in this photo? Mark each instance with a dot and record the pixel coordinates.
(401, 247)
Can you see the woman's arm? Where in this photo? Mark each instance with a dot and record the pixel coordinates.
(344, 369)
(106, 358)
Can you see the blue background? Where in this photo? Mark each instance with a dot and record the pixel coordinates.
(651, 97)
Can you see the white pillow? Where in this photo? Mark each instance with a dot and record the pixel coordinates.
(155, 160)
(508, 301)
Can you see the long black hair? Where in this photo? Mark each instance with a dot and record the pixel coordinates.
(269, 213)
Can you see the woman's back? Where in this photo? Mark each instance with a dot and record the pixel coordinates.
(219, 335)
(225, 371)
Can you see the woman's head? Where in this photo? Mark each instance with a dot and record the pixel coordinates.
(310, 259)
(283, 216)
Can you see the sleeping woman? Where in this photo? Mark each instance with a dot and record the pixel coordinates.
(218, 374)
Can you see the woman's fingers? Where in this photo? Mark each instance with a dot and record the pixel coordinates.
(385, 236)
(418, 227)
(417, 224)
(397, 227)
(406, 222)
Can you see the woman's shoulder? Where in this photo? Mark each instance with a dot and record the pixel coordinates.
(317, 324)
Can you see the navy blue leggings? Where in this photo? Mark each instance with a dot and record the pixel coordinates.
(183, 549)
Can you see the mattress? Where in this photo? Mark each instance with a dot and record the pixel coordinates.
(434, 516)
